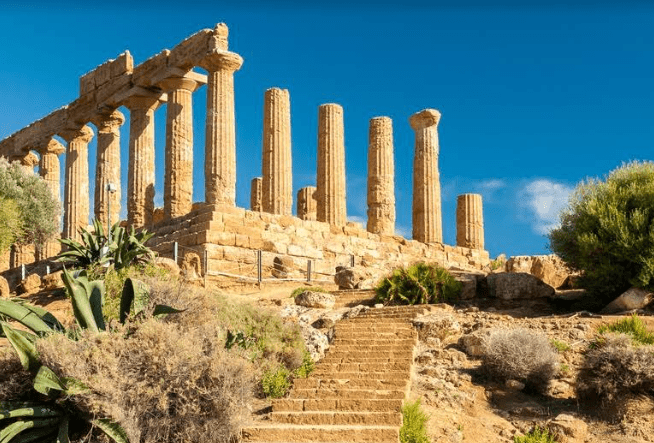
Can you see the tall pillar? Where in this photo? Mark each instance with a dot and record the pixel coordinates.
(381, 177)
(76, 188)
(427, 219)
(277, 186)
(255, 194)
(107, 168)
(178, 185)
(469, 221)
(141, 169)
(306, 203)
(49, 170)
(220, 142)
(330, 187)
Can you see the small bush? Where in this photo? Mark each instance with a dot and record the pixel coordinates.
(520, 354)
(418, 284)
(276, 382)
(560, 346)
(633, 327)
(300, 290)
(306, 367)
(536, 436)
(614, 367)
(606, 231)
(498, 263)
(414, 424)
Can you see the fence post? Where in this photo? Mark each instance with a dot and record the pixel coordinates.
(309, 271)
(352, 261)
(259, 267)
(175, 251)
(47, 269)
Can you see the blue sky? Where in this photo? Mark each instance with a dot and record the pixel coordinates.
(533, 98)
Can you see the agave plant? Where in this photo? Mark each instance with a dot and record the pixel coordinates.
(48, 420)
(129, 247)
(420, 283)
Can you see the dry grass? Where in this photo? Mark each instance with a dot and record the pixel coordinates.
(15, 383)
(520, 354)
(616, 369)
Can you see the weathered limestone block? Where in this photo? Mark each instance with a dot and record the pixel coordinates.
(551, 269)
(568, 429)
(381, 177)
(633, 298)
(167, 264)
(4, 288)
(107, 168)
(191, 267)
(320, 300)
(512, 286)
(282, 267)
(141, 169)
(330, 189)
(352, 278)
(520, 263)
(29, 285)
(255, 194)
(307, 205)
(277, 185)
(220, 143)
(469, 221)
(427, 218)
(53, 281)
(76, 189)
(178, 185)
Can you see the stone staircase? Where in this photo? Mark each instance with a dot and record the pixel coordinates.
(356, 392)
(349, 298)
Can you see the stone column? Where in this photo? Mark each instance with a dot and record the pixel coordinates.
(277, 186)
(255, 194)
(306, 203)
(427, 219)
(107, 168)
(27, 161)
(469, 221)
(49, 170)
(220, 143)
(381, 177)
(330, 188)
(76, 188)
(141, 169)
(178, 185)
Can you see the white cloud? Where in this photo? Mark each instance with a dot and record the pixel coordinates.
(545, 199)
(357, 219)
(403, 231)
(492, 185)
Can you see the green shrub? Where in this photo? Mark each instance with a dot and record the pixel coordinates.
(10, 223)
(414, 424)
(276, 382)
(536, 436)
(633, 327)
(306, 367)
(520, 354)
(560, 346)
(418, 284)
(607, 231)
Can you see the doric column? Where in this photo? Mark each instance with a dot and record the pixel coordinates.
(306, 203)
(220, 142)
(76, 188)
(27, 161)
(49, 170)
(178, 184)
(427, 220)
(469, 221)
(381, 177)
(141, 169)
(277, 186)
(255, 194)
(107, 167)
(331, 165)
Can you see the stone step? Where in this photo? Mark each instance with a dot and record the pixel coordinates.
(374, 348)
(371, 327)
(356, 405)
(338, 418)
(280, 432)
(375, 335)
(408, 342)
(340, 383)
(363, 367)
(358, 359)
(347, 394)
(385, 375)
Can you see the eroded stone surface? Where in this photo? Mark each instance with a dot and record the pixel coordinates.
(469, 221)
(277, 184)
(255, 194)
(330, 186)
(76, 190)
(381, 177)
(307, 205)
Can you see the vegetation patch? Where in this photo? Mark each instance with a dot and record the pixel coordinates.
(414, 424)
(418, 284)
(560, 346)
(633, 327)
(536, 436)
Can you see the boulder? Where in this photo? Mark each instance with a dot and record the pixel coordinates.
(282, 267)
(469, 282)
(438, 325)
(316, 342)
(351, 278)
(473, 343)
(29, 284)
(168, 264)
(512, 286)
(634, 298)
(310, 299)
(4, 288)
(520, 263)
(53, 281)
(550, 269)
(191, 267)
(568, 429)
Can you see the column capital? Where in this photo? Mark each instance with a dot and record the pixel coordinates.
(108, 121)
(175, 79)
(84, 134)
(424, 119)
(219, 60)
(145, 102)
(51, 146)
(27, 160)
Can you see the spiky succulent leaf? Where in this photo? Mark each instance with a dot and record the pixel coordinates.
(12, 430)
(46, 381)
(135, 293)
(77, 290)
(112, 429)
(32, 411)
(27, 316)
(24, 347)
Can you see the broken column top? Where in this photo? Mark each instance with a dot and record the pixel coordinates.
(425, 118)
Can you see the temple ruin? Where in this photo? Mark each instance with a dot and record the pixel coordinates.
(224, 235)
